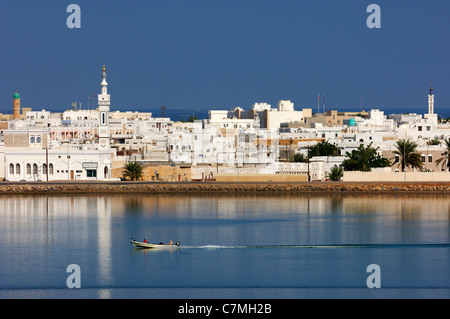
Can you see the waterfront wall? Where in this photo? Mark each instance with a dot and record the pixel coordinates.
(262, 178)
(383, 176)
(221, 188)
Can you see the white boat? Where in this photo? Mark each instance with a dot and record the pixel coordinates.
(141, 244)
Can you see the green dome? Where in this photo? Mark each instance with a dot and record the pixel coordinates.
(16, 95)
(352, 122)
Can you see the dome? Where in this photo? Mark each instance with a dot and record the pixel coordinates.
(352, 122)
(16, 95)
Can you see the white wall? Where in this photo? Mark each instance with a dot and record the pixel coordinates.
(384, 176)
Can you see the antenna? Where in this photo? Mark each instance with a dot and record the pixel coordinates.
(324, 104)
(163, 113)
(318, 103)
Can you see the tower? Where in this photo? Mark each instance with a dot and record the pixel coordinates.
(16, 106)
(431, 101)
(431, 116)
(103, 108)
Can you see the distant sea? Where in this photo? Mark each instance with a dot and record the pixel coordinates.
(178, 114)
(183, 114)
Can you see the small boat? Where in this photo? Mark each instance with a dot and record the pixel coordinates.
(141, 244)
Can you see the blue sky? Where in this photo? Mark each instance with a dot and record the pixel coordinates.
(211, 54)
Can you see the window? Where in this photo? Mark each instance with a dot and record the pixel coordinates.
(396, 159)
(50, 169)
(428, 128)
(419, 128)
(28, 169)
(44, 169)
(11, 169)
(430, 158)
(18, 169)
(423, 158)
(35, 169)
(91, 173)
(32, 140)
(38, 139)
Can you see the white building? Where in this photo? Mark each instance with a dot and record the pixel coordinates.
(30, 153)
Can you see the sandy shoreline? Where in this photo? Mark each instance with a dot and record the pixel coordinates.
(211, 187)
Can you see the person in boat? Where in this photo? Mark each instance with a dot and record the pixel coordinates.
(145, 240)
(170, 242)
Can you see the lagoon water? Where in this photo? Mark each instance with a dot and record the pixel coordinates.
(249, 246)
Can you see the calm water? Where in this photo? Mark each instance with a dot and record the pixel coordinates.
(290, 246)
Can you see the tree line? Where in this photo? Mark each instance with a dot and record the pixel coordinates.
(367, 157)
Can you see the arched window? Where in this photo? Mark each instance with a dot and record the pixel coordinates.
(32, 140)
(35, 169)
(44, 169)
(28, 169)
(18, 169)
(50, 167)
(38, 140)
(106, 171)
(11, 169)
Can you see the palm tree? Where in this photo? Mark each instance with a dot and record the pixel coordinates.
(132, 170)
(445, 159)
(336, 173)
(434, 141)
(406, 150)
(299, 158)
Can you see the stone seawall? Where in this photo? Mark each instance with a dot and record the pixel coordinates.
(220, 188)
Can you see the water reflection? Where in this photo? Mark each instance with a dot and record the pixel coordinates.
(104, 238)
(47, 233)
(321, 215)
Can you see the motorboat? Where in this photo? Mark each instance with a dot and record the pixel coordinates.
(141, 244)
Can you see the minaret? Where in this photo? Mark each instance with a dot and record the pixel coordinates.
(16, 106)
(431, 116)
(103, 108)
(431, 101)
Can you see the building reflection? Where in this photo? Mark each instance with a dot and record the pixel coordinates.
(84, 222)
(52, 222)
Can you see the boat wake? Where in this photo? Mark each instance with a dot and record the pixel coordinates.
(332, 246)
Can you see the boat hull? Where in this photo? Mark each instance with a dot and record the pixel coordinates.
(140, 244)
